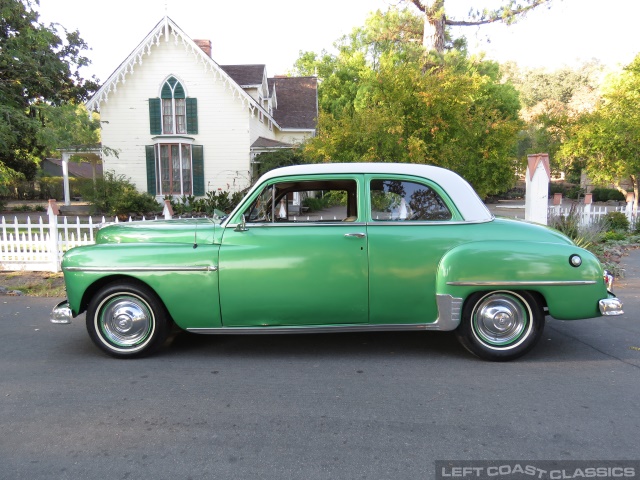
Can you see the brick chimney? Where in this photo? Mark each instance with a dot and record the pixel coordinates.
(205, 45)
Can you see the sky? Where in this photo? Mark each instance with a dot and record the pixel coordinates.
(273, 32)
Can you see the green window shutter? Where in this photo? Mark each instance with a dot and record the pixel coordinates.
(197, 158)
(155, 116)
(151, 169)
(166, 91)
(192, 115)
(178, 91)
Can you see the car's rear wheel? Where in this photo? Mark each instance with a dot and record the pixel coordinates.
(501, 325)
(127, 319)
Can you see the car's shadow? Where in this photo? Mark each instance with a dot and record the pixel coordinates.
(325, 344)
(554, 346)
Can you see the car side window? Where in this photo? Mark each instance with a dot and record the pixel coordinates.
(260, 210)
(398, 200)
(302, 201)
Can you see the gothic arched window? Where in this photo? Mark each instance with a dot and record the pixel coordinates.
(174, 109)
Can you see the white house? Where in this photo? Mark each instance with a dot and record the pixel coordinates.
(185, 125)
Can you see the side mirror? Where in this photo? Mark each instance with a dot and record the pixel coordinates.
(242, 226)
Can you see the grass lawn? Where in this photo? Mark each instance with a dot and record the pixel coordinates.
(35, 284)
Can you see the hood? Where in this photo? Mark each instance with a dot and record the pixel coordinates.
(200, 230)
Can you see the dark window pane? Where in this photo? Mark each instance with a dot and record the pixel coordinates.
(398, 200)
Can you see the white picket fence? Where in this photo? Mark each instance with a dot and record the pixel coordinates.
(590, 214)
(39, 245)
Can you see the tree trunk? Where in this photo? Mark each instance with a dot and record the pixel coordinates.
(434, 21)
(93, 171)
(636, 188)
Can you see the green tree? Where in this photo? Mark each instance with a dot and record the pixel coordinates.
(267, 161)
(39, 65)
(72, 127)
(550, 100)
(377, 103)
(607, 139)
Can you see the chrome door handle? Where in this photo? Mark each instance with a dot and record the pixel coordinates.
(356, 235)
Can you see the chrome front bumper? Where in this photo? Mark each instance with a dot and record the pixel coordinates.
(610, 306)
(61, 313)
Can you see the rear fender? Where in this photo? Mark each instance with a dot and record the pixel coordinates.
(569, 292)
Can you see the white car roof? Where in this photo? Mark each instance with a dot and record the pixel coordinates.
(462, 194)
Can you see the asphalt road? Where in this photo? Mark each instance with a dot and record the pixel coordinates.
(335, 406)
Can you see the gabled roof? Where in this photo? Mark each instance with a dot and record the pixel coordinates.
(166, 30)
(271, 83)
(262, 142)
(297, 102)
(82, 170)
(246, 75)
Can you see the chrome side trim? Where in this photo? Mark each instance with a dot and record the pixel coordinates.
(300, 223)
(381, 223)
(449, 312)
(541, 283)
(142, 269)
(371, 223)
(365, 327)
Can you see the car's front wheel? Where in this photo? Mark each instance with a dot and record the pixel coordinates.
(501, 325)
(127, 319)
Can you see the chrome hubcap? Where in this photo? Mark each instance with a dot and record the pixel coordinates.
(500, 319)
(126, 321)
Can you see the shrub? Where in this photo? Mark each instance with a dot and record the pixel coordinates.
(587, 236)
(606, 194)
(568, 224)
(52, 187)
(559, 188)
(613, 236)
(315, 203)
(23, 208)
(116, 195)
(574, 192)
(221, 200)
(616, 221)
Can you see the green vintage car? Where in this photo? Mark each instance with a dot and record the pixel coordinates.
(336, 248)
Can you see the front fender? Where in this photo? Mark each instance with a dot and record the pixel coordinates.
(184, 278)
(569, 292)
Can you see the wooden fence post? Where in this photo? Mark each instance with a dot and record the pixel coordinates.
(167, 211)
(629, 208)
(54, 254)
(586, 213)
(536, 206)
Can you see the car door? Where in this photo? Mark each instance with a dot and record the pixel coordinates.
(300, 258)
(411, 225)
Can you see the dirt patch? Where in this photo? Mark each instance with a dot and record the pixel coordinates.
(36, 284)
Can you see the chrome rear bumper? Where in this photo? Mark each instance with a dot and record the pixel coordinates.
(61, 313)
(610, 306)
